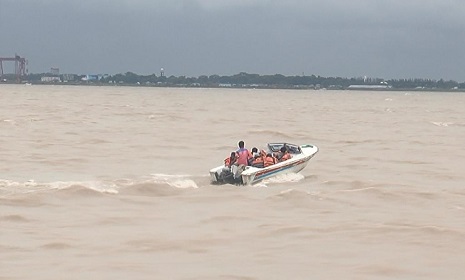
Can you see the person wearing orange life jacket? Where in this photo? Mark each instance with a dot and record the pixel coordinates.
(252, 156)
(283, 154)
(230, 168)
(263, 155)
(269, 160)
(230, 160)
(258, 161)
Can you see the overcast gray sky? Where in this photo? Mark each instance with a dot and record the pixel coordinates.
(345, 38)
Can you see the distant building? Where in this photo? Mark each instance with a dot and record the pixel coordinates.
(48, 79)
(90, 78)
(69, 77)
(55, 71)
(368, 87)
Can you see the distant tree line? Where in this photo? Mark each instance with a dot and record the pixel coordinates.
(261, 81)
(280, 81)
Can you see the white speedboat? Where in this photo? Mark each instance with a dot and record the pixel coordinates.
(300, 155)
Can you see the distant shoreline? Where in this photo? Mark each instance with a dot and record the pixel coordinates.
(354, 89)
(241, 80)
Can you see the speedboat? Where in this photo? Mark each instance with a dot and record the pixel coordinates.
(300, 155)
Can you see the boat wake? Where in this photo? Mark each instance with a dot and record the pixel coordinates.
(284, 178)
(151, 185)
(177, 181)
(154, 182)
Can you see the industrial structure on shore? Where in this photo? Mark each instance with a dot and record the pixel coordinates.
(20, 66)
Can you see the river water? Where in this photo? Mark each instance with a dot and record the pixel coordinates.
(112, 183)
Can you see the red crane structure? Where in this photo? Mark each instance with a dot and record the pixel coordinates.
(20, 66)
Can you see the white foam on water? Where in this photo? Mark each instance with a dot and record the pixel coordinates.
(285, 178)
(260, 185)
(442, 123)
(98, 186)
(177, 181)
(286, 191)
(9, 187)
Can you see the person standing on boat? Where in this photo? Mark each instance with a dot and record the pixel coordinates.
(241, 162)
(242, 154)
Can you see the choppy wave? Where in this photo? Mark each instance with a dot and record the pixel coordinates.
(14, 218)
(56, 246)
(159, 185)
(154, 184)
(283, 178)
(8, 187)
(272, 133)
(442, 123)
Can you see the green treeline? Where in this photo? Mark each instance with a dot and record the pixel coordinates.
(253, 80)
(281, 81)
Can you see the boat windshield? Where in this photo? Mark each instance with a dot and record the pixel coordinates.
(292, 148)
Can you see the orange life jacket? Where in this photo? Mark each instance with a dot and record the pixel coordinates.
(258, 162)
(269, 160)
(286, 156)
(227, 161)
